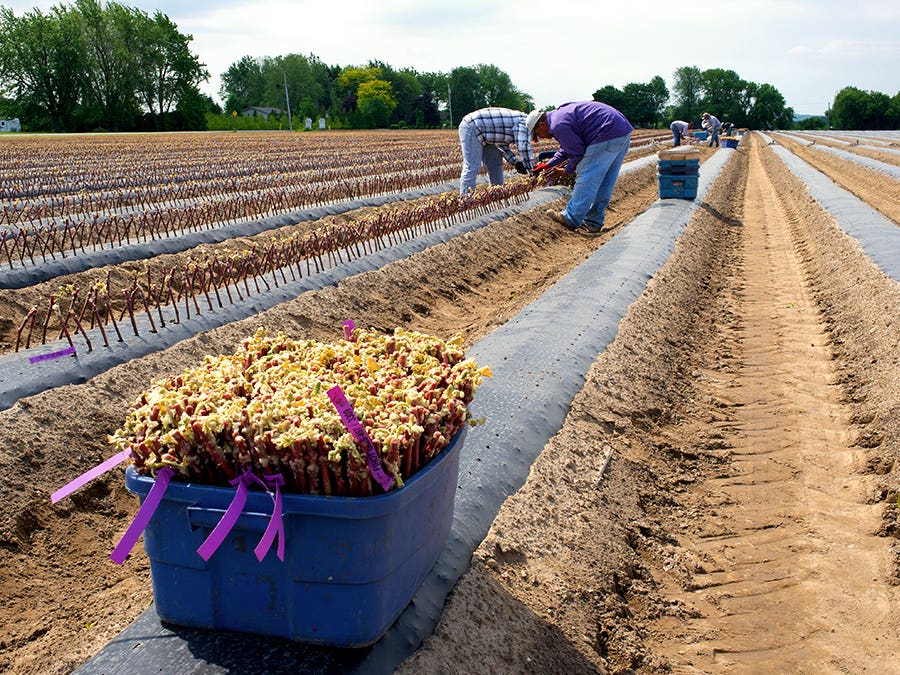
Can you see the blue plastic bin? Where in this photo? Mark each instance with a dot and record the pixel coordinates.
(730, 142)
(679, 167)
(677, 187)
(351, 564)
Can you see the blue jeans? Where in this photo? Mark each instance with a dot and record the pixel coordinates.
(597, 173)
(676, 138)
(475, 153)
(714, 138)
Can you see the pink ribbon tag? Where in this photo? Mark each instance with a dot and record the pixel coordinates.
(232, 513)
(276, 523)
(144, 514)
(348, 417)
(348, 329)
(88, 476)
(52, 355)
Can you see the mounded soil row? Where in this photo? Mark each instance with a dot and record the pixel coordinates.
(723, 494)
(880, 191)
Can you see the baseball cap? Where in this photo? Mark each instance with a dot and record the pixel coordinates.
(531, 120)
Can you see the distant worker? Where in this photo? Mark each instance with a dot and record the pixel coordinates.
(485, 136)
(679, 130)
(712, 124)
(593, 139)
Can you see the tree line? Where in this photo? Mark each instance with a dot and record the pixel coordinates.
(94, 66)
(864, 110)
(720, 92)
(375, 95)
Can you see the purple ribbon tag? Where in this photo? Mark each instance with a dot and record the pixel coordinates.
(348, 329)
(88, 476)
(144, 514)
(348, 417)
(276, 523)
(232, 513)
(52, 355)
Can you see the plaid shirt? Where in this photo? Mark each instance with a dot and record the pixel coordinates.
(501, 127)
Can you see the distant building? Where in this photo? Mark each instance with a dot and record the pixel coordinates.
(11, 125)
(263, 112)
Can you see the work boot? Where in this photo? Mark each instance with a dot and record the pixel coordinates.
(558, 217)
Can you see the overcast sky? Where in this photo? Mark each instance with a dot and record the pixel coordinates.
(562, 50)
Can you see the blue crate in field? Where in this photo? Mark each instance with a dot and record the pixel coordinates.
(679, 167)
(351, 564)
(677, 187)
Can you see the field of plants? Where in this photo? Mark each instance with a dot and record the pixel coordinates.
(731, 454)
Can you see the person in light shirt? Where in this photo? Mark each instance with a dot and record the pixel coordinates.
(679, 129)
(485, 136)
(712, 124)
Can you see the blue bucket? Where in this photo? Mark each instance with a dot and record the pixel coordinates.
(351, 564)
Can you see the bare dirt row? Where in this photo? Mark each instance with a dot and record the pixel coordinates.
(881, 192)
(723, 495)
(859, 146)
(614, 555)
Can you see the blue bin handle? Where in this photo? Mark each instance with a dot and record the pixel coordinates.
(206, 518)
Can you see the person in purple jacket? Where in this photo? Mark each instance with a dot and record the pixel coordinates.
(593, 139)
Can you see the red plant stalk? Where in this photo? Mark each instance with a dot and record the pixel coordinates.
(28, 317)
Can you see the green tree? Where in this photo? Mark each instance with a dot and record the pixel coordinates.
(168, 71)
(658, 98)
(498, 90)
(482, 86)
(243, 84)
(688, 94)
(348, 81)
(113, 66)
(857, 109)
(893, 112)
(427, 105)
(42, 64)
(405, 88)
(767, 109)
(849, 109)
(725, 95)
(309, 84)
(610, 95)
(375, 101)
(465, 92)
(641, 103)
(642, 109)
(817, 122)
(877, 107)
(190, 113)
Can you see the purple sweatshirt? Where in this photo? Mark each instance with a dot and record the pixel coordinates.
(577, 125)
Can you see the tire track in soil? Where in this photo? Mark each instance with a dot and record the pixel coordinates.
(792, 574)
